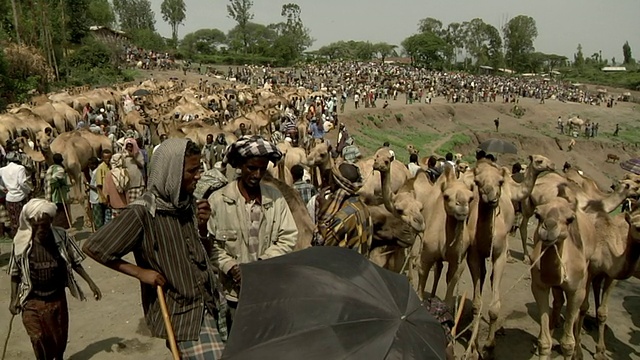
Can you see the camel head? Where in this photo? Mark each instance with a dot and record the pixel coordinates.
(539, 163)
(382, 160)
(409, 210)
(554, 220)
(320, 154)
(462, 167)
(412, 149)
(457, 195)
(489, 178)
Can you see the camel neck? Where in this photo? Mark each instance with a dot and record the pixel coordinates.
(632, 257)
(455, 230)
(550, 264)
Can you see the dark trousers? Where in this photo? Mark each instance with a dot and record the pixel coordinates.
(61, 217)
(47, 324)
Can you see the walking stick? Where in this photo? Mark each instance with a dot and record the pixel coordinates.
(66, 212)
(167, 324)
(6, 341)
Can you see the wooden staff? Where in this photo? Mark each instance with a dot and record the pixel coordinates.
(167, 324)
(6, 341)
(459, 314)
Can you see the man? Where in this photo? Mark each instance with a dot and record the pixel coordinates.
(388, 146)
(208, 153)
(343, 219)
(250, 220)
(306, 190)
(219, 148)
(15, 180)
(242, 130)
(166, 230)
(413, 165)
(101, 209)
(496, 122)
(351, 153)
(40, 267)
(56, 190)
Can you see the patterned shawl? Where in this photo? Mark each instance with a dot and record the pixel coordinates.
(250, 146)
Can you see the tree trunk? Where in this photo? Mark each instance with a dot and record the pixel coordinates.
(15, 21)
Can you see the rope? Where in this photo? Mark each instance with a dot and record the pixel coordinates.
(6, 341)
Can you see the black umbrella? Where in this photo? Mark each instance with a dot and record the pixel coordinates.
(141, 92)
(631, 165)
(230, 91)
(328, 303)
(493, 146)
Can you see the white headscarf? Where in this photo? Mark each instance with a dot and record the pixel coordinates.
(33, 210)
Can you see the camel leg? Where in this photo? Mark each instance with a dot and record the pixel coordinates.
(423, 276)
(568, 340)
(602, 312)
(556, 310)
(453, 276)
(436, 277)
(584, 308)
(478, 270)
(524, 233)
(494, 310)
(541, 295)
(414, 267)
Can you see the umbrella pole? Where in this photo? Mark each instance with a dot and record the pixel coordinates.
(167, 324)
(458, 314)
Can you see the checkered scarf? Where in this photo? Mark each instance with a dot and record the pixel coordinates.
(250, 146)
(346, 190)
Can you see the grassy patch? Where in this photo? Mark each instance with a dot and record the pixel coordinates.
(628, 134)
(451, 144)
(372, 138)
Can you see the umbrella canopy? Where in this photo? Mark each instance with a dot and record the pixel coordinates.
(498, 146)
(141, 92)
(631, 165)
(230, 91)
(330, 303)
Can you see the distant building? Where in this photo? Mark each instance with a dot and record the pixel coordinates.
(108, 35)
(614, 68)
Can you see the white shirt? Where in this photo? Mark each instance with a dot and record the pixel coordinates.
(93, 195)
(15, 180)
(413, 169)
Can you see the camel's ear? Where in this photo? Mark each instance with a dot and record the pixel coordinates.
(530, 158)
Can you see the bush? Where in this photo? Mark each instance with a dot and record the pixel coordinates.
(237, 59)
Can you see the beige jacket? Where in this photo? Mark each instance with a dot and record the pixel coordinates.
(229, 221)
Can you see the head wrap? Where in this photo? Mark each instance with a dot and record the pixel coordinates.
(250, 146)
(33, 210)
(165, 179)
(133, 143)
(119, 173)
(13, 156)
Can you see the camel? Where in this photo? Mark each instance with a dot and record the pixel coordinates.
(412, 149)
(564, 241)
(445, 237)
(461, 168)
(585, 191)
(372, 188)
(292, 155)
(492, 215)
(577, 122)
(616, 257)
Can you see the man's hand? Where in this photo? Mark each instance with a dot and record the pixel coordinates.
(14, 308)
(151, 277)
(203, 211)
(235, 274)
(97, 294)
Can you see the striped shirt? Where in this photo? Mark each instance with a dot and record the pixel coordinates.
(351, 227)
(19, 265)
(168, 243)
(350, 153)
(305, 190)
(56, 184)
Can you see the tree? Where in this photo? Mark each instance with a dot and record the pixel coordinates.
(148, 39)
(134, 15)
(173, 12)
(384, 50)
(519, 34)
(100, 13)
(426, 49)
(203, 41)
(336, 50)
(578, 58)
(626, 53)
(483, 42)
(431, 25)
(455, 36)
(293, 37)
(240, 11)
(76, 25)
(260, 39)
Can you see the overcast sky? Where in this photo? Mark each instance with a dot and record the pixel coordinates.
(562, 24)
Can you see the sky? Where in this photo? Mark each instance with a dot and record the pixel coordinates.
(562, 24)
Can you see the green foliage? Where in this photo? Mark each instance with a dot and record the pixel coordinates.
(240, 11)
(483, 42)
(293, 38)
(148, 39)
(93, 63)
(77, 24)
(173, 12)
(260, 39)
(593, 75)
(134, 15)
(350, 50)
(626, 52)
(238, 59)
(372, 139)
(451, 144)
(426, 49)
(431, 25)
(202, 42)
(578, 58)
(7, 92)
(519, 34)
(100, 13)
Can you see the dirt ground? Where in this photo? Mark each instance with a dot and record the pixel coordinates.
(114, 327)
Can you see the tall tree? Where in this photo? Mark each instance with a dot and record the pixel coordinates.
(626, 53)
(293, 37)
(240, 11)
(384, 50)
(173, 12)
(426, 49)
(134, 15)
(76, 25)
(483, 42)
(260, 39)
(519, 35)
(578, 57)
(203, 41)
(431, 25)
(100, 13)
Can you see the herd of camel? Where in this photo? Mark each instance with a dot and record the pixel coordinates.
(419, 225)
